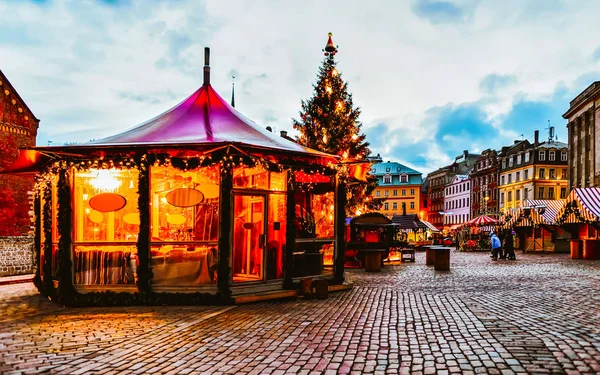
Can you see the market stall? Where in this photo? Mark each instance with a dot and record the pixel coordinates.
(580, 216)
(197, 205)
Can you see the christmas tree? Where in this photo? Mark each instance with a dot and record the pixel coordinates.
(329, 123)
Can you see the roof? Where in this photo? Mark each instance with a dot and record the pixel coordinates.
(12, 90)
(522, 218)
(204, 117)
(395, 168)
(554, 144)
(582, 204)
(589, 93)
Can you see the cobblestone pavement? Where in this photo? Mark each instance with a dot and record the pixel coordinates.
(539, 314)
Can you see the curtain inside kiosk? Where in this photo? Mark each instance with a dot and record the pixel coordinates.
(184, 225)
(106, 226)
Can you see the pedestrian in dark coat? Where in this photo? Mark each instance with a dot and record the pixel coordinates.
(509, 246)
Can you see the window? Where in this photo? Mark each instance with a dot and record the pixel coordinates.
(412, 205)
(518, 195)
(412, 191)
(395, 205)
(540, 193)
(502, 180)
(502, 198)
(542, 155)
(550, 193)
(563, 193)
(551, 155)
(510, 162)
(403, 178)
(386, 206)
(403, 191)
(510, 178)
(503, 163)
(563, 156)
(518, 176)
(386, 193)
(518, 159)
(395, 192)
(564, 174)
(387, 179)
(551, 174)
(541, 173)
(378, 193)
(526, 174)
(387, 169)
(525, 193)
(510, 196)
(527, 157)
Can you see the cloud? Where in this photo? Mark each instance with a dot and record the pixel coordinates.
(493, 82)
(436, 11)
(596, 55)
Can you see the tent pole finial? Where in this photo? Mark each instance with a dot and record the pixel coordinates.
(206, 66)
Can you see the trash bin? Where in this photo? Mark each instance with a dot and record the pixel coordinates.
(442, 259)
(575, 246)
(373, 261)
(429, 256)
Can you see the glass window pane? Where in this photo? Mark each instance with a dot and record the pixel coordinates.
(105, 204)
(184, 204)
(250, 178)
(248, 237)
(184, 265)
(105, 265)
(277, 181)
(276, 232)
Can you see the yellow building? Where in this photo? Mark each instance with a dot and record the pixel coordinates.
(398, 184)
(533, 171)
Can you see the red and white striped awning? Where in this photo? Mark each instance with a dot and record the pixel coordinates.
(529, 213)
(480, 221)
(582, 205)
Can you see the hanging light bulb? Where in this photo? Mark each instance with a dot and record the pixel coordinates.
(105, 180)
(324, 138)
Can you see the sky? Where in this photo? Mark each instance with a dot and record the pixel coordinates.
(432, 77)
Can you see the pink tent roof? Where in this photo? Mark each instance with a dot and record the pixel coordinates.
(203, 118)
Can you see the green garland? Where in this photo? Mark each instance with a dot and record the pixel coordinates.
(47, 246)
(144, 270)
(37, 239)
(65, 277)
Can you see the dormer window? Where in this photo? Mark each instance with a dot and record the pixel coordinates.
(387, 169)
(404, 178)
(542, 155)
(518, 159)
(373, 170)
(387, 179)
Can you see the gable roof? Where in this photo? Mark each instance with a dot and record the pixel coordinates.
(5, 82)
(395, 168)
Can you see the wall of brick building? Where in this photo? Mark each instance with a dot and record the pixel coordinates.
(18, 129)
(16, 255)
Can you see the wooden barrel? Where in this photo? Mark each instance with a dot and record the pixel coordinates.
(429, 256)
(372, 261)
(442, 259)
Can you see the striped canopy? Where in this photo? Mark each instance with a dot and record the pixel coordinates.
(480, 221)
(530, 213)
(582, 205)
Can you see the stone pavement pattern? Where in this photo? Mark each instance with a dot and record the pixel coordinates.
(540, 314)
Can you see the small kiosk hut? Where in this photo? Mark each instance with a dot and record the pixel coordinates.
(580, 216)
(197, 205)
(370, 232)
(534, 224)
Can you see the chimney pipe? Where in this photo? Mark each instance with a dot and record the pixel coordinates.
(466, 153)
(270, 129)
(536, 137)
(206, 66)
(283, 133)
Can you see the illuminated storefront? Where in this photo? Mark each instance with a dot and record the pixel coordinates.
(198, 205)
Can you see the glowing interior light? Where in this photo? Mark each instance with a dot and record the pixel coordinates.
(105, 181)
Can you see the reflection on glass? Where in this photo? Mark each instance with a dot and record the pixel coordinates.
(184, 265)
(313, 258)
(259, 178)
(314, 215)
(102, 200)
(105, 265)
(248, 238)
(185, 204)
(276, 232)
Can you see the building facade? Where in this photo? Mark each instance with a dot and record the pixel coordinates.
(484, 184)
(457, 201)
(584, 121)
(18, 129)
(398, 184)
(533, 171)
(437, 181)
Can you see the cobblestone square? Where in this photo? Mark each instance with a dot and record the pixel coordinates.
(539, 314)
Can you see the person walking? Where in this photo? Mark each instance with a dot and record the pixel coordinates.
(509, 246)
(496, 245)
